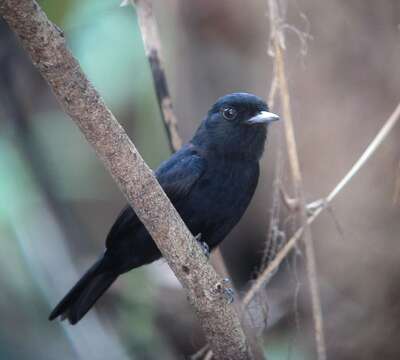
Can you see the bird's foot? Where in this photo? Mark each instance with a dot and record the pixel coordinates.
(221, 289)
(229, 294)
(204, 247)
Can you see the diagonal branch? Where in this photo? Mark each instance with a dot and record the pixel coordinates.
(45, 44)
(277, 37)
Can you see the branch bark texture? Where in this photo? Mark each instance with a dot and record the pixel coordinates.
(46, 46)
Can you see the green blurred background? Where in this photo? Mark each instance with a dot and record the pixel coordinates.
(57, 202)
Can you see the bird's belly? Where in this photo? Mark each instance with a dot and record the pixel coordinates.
(217, 203)
(230, 189)
(224, 199)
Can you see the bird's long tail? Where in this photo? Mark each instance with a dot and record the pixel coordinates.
(84, 294)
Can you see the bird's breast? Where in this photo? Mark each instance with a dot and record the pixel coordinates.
(225, 191)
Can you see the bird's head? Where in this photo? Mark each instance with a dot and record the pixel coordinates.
(236, 126)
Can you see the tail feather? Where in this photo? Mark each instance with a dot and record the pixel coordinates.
(84, 294)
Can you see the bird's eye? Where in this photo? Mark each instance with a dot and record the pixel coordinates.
(229, 113)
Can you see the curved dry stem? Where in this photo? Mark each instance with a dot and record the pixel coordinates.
(262, 279)
(278, 41)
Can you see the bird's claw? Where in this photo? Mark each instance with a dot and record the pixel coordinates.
(198, 237)
(204, 246)
(206, 249)
(229, 295)
(227, 292)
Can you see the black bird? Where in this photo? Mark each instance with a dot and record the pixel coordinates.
(210, 181)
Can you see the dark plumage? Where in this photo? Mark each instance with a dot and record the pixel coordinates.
(210, 181)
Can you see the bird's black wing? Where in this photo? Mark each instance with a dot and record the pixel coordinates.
(176, 176)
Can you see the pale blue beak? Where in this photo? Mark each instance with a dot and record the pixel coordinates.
(263, 117)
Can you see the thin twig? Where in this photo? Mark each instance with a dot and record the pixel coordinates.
(274, 264)
(274, 236)
(152, 47)
(278, 46)
(272, 89)
(200, 354)
(45, 44)
(209, 356)
(366, 155)
(336, 222)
